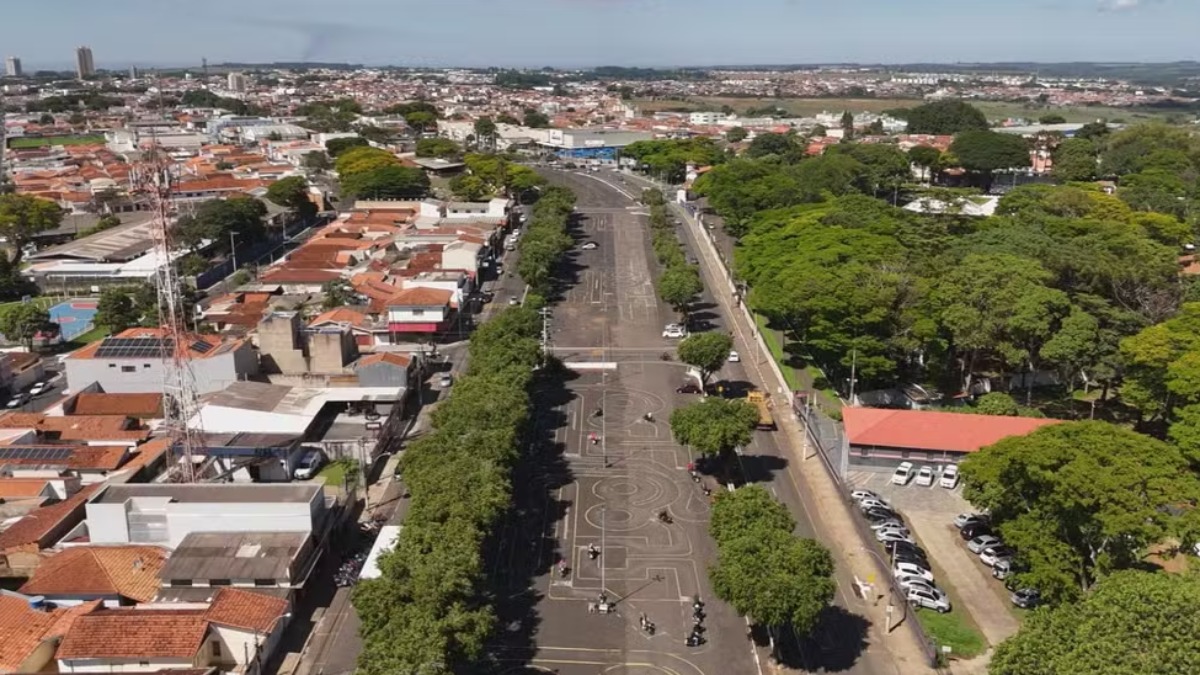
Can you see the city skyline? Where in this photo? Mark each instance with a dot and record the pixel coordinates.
(577, 33)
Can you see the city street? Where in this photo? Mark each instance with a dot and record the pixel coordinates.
(602, 480)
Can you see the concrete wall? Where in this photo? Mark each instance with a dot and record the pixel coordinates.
(382, 375)
(109, 523)
(329, 351)
(121, 665)
(240, 647)
(133, 376)
(280, 342)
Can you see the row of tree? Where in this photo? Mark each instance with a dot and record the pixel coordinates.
(546, 240)
(679, 282)
(764, 571)
(490, 175)
(430, 609)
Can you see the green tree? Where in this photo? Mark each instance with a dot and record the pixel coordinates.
(1078, 500)
(997, 403)
(106, 222)
(1157, 190)
(706, 352)
(21, 323)
(387, 183)
(438, 147)
(747, 509)
(469, 188)
(736, 134)
(1140, 147)
(1092, 131)
(292, 193)
(485, 132)
(536, 120)
(23, 216)
(1075, 160)
(363, 159)
(506, 118)
(714, 425)
(927, 157)
(847, 125)
(772, 144)
(1052, 118)
(317, 161)
(985, 152)
(1134, 622)
(421, 120)
(1162, 364)
(945, 117)
(679, 285)
(338, 146)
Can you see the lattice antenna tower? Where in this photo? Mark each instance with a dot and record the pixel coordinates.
(153, 178)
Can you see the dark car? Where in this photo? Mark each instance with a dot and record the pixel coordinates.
(877, 514)
(903, 547)
(688, 388)
(977, 530)
(909, 557)
(1026, 598)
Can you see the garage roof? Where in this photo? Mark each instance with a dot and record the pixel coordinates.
(926, 430)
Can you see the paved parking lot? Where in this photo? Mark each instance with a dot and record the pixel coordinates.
(929, 512)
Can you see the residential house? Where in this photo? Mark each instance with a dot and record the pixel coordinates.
(419, 312)
(132, 362)
(30, 631)
(114, 575)
(22, 542)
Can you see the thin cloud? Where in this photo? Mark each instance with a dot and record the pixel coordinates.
(1119, 5)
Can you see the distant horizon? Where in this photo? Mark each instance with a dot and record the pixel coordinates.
(578, 33)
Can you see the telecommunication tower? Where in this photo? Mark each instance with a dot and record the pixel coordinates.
(153, 179)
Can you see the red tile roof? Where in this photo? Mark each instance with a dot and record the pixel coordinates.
(133, 405)
(42, 522)
(940, 431)
(135, 634)
(420, 296)
(246, 609)
(128, 571)
(400, 360)
(22, 629)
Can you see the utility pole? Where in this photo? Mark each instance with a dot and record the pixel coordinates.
(545, 312)
(853, 370)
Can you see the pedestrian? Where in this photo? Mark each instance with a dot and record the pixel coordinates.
(591, 608)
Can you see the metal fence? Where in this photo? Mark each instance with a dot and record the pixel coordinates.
(829, 438)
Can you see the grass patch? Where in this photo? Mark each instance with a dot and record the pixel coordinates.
(42, 302)
(25, 143)
(952, 629)
(335, 472)
(775, 346)
(83, 339)
(995, 110)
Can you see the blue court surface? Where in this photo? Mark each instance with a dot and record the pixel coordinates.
(74, 317)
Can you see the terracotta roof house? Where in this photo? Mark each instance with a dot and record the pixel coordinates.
(115, 575)
(883, 438)
(420, 310)
(22, 542)
(236, 632)
(139, 406)
(30, 631)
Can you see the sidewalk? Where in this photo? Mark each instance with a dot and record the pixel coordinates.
(902, 643)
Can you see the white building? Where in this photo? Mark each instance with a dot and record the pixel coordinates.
(237, 82)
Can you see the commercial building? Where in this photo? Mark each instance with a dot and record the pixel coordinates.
(84, 65)
(882, 438)
(133, 362)
(598, 144)
(12, 67)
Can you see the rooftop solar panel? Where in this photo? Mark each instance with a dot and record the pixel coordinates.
(36, 453)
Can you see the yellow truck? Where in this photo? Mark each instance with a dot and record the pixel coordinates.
(759, 400)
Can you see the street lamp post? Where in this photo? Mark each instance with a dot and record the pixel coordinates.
(233, 250)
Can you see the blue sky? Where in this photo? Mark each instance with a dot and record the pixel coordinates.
(569, 33)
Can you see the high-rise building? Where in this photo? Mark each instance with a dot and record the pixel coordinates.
(12, 67)
(84, 66)
(237, 82)
(133, 72)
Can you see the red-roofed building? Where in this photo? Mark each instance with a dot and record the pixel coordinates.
(419, 311)
(883, 438)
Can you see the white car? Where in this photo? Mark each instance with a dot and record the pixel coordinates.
(445, 380)
(39, 388)
(888, 536)
(859, 495)
(590, 246)
(949, 478)
(734, 357)
(933, 599)
(903, 474)
(874, 503)
(891, 524)
(964, 519)
(309, 464)
(983, 541)
(994, 554)
(925, 476)
(912, 570)
(17, 401)
(514, 301)
(908, 581)
(674, 330)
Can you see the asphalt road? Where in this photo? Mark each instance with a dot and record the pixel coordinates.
(608, 493)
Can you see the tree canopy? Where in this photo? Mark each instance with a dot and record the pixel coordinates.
(706, 352)
(1134, 622)
(23, 216)
(714, 425)
(1078, 500)
(668, 159)
(438, 147)
(292, 192)
(945, 117)
(22, 322)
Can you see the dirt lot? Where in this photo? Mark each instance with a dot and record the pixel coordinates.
(929, 512)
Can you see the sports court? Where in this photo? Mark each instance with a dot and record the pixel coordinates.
(74, 317)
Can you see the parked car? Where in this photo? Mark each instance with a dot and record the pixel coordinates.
(877, 514)
(874, 503)
(1026, 598)
(445, 380)
(1005, 568)
(934, 599)
(911, 558)
(309, 464)
(902, 546)
(734, 357)
(591, 245)
(17, 401)
(992, 555)
(977, 530)
(949, 478)
(981, 542)
(912, 570)
(964, 519)
(890, 523)
(925, 476)
(514, 301)
(674, 330)
(39, 388)
(903, 474)
(860, 495)
(688, 388)
(907, 581)
(884, 536)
